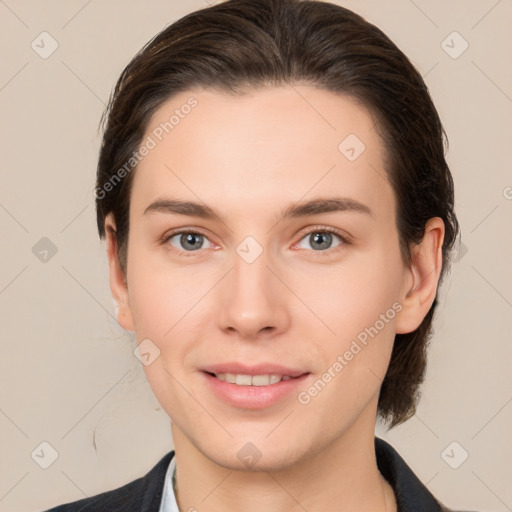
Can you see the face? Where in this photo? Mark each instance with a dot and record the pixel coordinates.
(297, 271)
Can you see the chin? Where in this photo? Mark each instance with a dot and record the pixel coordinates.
(254, 456)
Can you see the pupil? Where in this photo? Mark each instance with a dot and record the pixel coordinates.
(190, 240)
(327, 238)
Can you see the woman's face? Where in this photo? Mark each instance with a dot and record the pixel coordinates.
(270, 285)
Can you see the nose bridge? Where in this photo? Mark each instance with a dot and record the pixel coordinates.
(250, 269)
(251, 300)
(251, 279)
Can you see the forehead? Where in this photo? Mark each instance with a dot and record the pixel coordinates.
(265, 147)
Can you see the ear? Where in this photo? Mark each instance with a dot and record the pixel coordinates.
(118, 282)
(421, 277)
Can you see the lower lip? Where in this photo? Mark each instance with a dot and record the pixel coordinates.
(254, 397)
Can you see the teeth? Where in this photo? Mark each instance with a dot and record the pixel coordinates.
(252, 380)
(272, 379)
(230, 377)
(243, 380)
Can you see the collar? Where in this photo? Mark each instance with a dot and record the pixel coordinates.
(410, 494)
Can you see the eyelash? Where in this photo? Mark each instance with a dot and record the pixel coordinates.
(316, 229)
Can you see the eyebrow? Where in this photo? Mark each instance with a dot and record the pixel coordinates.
(293, 210)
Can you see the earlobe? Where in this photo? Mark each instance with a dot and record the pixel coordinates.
(422, 277)
(118, 282)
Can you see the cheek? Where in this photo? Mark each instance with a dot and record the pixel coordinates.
(150, 306)
(352, 297)
(354, 360)
(359, 304)
(163, 311)
(160, 296)
(169, 307)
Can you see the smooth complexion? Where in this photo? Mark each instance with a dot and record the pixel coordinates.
(299, 304)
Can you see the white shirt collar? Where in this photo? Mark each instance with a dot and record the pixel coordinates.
(168, 503)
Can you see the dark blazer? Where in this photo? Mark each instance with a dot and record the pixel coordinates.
(145, 493)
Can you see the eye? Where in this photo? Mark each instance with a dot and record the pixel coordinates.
(187, 241)
(321, 239)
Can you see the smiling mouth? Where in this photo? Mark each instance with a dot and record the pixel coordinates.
(252, 380)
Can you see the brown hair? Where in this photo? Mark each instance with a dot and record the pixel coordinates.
(246, 44)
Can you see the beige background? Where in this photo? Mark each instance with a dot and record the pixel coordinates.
(69, 377)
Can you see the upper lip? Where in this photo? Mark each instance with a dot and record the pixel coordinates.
(259, 369)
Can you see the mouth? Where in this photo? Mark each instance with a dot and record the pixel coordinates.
(241, 379)
(256, 387)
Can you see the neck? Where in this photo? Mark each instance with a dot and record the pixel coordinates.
(344, 473)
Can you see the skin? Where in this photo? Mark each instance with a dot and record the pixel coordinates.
(249, 157)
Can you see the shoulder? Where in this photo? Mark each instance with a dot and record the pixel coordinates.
(411, 494)
(143, 494)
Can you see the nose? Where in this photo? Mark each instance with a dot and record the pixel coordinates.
(253, 300)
